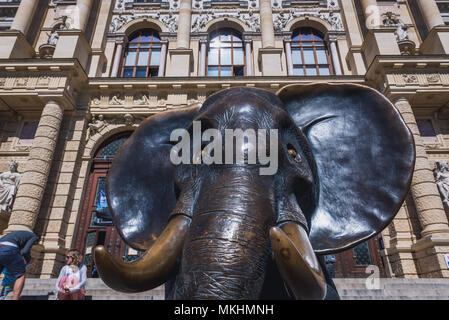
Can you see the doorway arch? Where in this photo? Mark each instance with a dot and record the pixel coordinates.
(95, 224)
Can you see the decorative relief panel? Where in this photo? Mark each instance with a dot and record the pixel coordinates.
(419, 79)
(282, 18)
(250, 18)
(170, 20)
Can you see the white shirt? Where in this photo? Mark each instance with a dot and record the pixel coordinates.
(80, 273)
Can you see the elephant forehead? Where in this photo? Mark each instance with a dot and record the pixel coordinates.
(248, 111)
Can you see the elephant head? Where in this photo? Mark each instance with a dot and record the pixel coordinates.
(223, 231)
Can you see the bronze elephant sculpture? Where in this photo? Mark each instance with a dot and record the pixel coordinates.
(224, 231)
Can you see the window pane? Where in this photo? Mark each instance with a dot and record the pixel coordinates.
(324, 71)
(128, 72)
(212, 71)
(317, 36)
(141, 72)
(226, 71)
(213, 57)
(321, 55)
(296, 56)
(146, 37)
(130, 58)
(143, 58)
(225, 35)
(311, 71)
(298, 71)
(225, 56)
(308, 56)
(133, 45)
(155, 57)
(238, 56)
(306, 35)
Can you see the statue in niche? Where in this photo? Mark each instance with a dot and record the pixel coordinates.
(401, 32)
(9, 183)
(53, 37)
(441, 173)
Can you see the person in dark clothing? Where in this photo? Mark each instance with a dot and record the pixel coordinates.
(15, 252)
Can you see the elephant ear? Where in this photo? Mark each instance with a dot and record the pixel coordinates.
(140, 186)
(364, 155)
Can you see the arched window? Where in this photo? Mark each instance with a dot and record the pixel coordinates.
(310, 56)
(226, 56)
(143, 55)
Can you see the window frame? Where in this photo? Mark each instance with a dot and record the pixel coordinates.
(149, 69)
(233, 33)
(316, 45)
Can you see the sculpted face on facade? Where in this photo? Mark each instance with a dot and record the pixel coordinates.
(91, 71)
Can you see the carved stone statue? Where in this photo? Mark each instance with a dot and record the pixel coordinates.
(96, 124)
(441, 173)
(9, 183)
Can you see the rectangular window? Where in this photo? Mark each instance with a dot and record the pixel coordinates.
(324, 71)
(212, 71)
(225, 56)
(311, 71)
(213, 57)
(296, 56)
(298, 71)
(309, 57)
(155, 57)
(321, 55)
(130, 58)
(238, 56)
(143, 58)
(427, 131)
(226, 71)
(28, 131)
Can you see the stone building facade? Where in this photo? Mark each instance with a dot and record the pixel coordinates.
(77, 77)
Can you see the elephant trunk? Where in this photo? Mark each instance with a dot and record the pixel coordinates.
(228, 244)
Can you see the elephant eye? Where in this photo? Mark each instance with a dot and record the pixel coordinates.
(293, 153)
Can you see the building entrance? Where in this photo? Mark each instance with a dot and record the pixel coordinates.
(354, 263)
(95, 226)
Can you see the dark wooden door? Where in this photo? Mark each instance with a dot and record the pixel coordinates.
(95, 226)
(353, 263)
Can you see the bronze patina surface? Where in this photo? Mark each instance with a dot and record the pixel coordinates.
(345, 162)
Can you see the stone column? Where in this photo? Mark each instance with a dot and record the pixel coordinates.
(249, 58)
(117, 59)
(424, 191)
(203, 52)
(35, 176)
(371, 12)
(288, 55)
(84, 9)
(161, 71)
(184, 24)
(335, 59)
(431, 13)
(24, 15)
(266, 24)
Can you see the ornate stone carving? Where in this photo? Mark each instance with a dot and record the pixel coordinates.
(410, 78)
(283, 18)
(441, 173)
(129, 119)
(170, 20)
(433, 78)
(142, 100)
(117, 100)
(9, 183)
(96, 124)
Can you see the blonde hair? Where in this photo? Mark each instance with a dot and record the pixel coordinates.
(77, 256)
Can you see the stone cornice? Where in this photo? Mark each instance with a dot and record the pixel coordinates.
(61, 79)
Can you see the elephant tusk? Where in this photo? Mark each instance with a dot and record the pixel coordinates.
(150, 271)
(297, 262)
